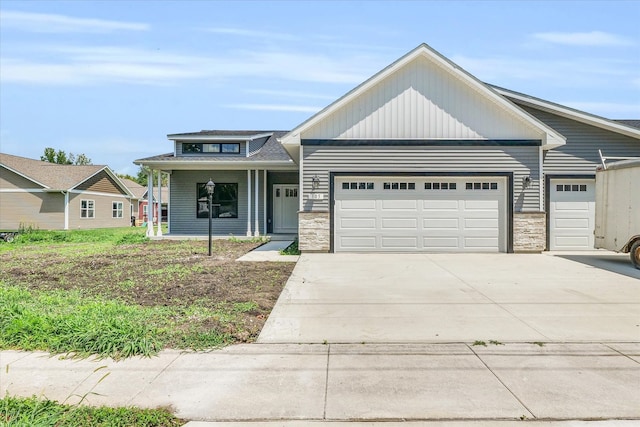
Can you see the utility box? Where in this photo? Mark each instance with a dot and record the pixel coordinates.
(617, 222)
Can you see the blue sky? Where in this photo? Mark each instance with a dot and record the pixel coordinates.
(112, 78)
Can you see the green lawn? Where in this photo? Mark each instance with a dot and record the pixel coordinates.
(116, 294)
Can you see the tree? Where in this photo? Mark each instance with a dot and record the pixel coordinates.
(60, 157)
(141, 178)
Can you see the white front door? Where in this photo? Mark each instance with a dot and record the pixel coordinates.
(285, 208)
(572, 214)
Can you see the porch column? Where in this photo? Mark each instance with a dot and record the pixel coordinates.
(264, 200)
(249, 202)
(257, 208)
(150, 203)
(159, 233)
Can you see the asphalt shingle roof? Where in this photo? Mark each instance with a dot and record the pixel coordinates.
(631, 122)
(52, 175)
(272, 150)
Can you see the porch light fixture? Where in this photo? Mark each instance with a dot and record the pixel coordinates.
(315, 182)
(526, 181)
(210, 187)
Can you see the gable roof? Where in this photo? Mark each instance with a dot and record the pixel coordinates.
(625, 127)
(551, 138)
(136, 189)
(53, 176)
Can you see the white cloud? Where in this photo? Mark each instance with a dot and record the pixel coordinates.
(73, 65)
(592, 38)
(242, 32)
(51, 23)
(291, 94)
(275, 107)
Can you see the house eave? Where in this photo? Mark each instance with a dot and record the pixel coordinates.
(569, 113)
(167, 165)
(197, 137)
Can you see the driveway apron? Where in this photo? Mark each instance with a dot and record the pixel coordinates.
(426, 298)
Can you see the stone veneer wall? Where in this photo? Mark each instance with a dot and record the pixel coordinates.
(314, 231)
(529, 231)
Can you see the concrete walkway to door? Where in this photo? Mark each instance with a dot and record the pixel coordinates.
(432, 298)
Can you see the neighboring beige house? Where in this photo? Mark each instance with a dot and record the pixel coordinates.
(50, 196)
(140, 200)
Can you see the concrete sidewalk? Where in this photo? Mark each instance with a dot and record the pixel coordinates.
(345, 382)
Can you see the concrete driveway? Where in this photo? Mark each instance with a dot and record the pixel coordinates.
(432, 298)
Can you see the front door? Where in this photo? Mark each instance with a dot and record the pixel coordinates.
(285, 208)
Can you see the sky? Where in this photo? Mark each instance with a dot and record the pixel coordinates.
(111, 79)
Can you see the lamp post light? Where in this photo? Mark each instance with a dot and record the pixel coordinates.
(210, 187)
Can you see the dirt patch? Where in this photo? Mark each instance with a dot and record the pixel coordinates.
(176, 274)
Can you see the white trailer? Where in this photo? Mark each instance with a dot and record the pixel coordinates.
(618, 208)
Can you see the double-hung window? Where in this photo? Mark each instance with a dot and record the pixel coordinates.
(87, 209)
(116, 209)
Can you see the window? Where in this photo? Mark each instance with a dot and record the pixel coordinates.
(571, 187)
(87, 209)
(227, 148)
(481, 186)
(224, 202)
(116, 209)
(399, 186)
(440, 185)
(357, 185)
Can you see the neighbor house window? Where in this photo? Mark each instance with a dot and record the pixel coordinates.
(116, 209)
(224, 202)
(87, 209)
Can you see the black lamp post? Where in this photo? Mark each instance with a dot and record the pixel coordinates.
(210, 187)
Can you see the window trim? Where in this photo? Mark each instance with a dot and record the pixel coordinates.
(88, 209)
(115, 211)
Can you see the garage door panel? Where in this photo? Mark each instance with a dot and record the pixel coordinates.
(358, 204)
(572, 206)
(407, 223)
(441, 243)
(421, 218)
(488, 244)
(486, 223)
(575, 223)
(389, 242)
(358, 223)
(491, 205)
(572, 241)
(399, 205)
(355, 243)
(441, 223)
(440, 205)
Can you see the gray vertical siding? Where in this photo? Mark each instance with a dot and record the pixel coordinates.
(521, 160)
(580, 154)
(183, 195)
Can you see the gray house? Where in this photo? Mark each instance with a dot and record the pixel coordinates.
(420, 157)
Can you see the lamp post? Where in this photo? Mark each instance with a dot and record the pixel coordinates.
(210, 187)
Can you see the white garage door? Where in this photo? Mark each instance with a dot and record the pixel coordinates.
(571, 214)
(413, 214)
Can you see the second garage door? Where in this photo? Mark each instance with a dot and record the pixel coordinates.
(413, 214)
(571, 214)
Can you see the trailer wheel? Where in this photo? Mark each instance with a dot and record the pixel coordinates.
(8, 237)
(634, 254)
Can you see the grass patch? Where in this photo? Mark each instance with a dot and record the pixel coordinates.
(32, 411)
(118, 300)
(292, 249)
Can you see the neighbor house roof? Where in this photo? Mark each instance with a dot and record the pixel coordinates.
(271, 154)
(53, 176)
(136, 189)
